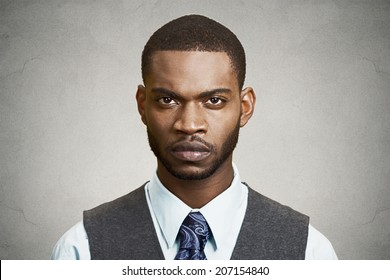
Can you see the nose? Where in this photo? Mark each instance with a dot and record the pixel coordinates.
(191, 120)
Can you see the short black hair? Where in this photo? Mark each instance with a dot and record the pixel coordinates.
(196, 33)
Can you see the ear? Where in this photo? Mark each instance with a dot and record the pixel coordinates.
(248, 101)
(140, 96)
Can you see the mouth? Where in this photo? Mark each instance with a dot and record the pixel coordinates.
(190, 151)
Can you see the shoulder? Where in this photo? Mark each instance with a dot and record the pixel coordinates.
(259, 204)
(102, 220)
(318, 246)
(133, 197)
(272, 230)
(116, 228)
(73, 245)
(133, 201)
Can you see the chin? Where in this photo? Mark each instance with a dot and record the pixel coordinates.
(191, 176)
(191, 172)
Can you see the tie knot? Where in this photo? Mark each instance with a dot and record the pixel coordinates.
(193, 235)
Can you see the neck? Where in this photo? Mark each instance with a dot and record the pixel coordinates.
(197, 193)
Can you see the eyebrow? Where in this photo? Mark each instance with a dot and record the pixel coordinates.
(203, 94)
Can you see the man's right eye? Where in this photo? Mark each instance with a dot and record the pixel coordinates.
(166, 100)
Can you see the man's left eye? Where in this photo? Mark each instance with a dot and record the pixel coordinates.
(215, 101)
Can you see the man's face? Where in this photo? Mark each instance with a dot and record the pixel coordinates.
(191, 105)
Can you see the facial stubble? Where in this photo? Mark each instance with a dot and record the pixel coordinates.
(227, 149)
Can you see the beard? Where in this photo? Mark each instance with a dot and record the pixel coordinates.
(227, 149)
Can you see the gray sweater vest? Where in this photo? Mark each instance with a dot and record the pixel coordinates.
(123, 229)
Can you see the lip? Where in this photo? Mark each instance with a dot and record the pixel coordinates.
(190, 151)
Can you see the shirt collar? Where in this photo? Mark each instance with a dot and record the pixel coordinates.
(170, 211)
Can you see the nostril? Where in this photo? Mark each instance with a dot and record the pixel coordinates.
(191, 121)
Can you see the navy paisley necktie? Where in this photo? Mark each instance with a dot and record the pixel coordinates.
(193, 235)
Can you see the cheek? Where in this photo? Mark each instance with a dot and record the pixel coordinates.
(221, 127)
(157, 123)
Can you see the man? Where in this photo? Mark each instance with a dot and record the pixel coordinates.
(195, 207)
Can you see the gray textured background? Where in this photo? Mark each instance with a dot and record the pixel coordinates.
(71, 137)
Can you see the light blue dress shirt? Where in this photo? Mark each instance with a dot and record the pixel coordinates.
(224, 214)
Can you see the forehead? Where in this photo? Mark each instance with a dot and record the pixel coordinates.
(191, 69)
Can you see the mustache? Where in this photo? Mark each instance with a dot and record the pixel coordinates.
(198, 143)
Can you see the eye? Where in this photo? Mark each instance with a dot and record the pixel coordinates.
(166, 100)
(215, 101)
